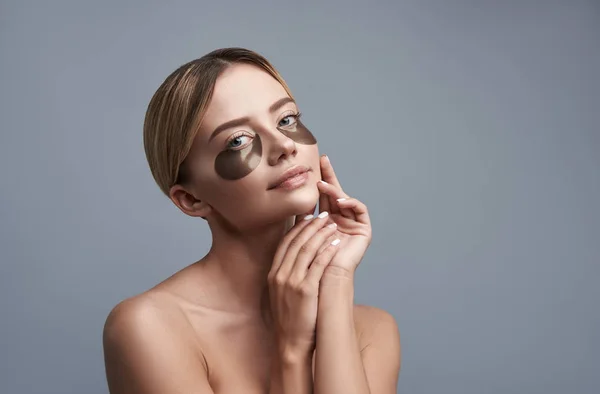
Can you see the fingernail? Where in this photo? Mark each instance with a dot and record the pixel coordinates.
(323, 214)
(324, 182)
(341, 199)
(332, 225)
(308, 217)
(336, 242)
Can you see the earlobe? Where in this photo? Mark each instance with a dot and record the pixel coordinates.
(188, 203)
(202, 210)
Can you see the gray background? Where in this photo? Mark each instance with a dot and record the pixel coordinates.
(470, 128)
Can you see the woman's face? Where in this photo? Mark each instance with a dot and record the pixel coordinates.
(249, 137)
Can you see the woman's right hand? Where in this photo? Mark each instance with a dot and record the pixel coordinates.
(298, 266)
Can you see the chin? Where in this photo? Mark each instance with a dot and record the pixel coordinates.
(299, 201)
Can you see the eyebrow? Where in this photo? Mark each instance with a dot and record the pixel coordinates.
(244, 120)
(280, 103)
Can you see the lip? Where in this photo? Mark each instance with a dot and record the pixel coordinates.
(289, 173)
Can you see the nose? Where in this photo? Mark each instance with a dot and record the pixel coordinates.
(279, 147)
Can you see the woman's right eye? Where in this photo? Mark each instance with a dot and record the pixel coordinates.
(237, 141)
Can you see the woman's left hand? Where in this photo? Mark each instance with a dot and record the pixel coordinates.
(352, 219)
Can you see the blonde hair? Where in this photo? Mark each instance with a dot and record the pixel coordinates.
(176, 110)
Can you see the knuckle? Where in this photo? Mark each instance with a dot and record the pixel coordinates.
(279, 281)
(295, 242)
(296, 288)
(305, 290)
(305, 248)
(292, 285)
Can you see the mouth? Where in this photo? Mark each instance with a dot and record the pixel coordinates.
(292, 178)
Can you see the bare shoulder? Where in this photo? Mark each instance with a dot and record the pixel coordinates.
(370, 320)
(148, 320)
(379, 340)
(140, 315)
(145, 339)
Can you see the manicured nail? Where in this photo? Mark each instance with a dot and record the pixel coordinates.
(308, 217)
(341, 199)
(336, 242)
(323, 214)
(332, 225)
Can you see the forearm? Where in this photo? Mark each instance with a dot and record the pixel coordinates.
(338, 366)
(291, 372)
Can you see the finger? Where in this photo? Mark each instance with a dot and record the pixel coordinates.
(331, 190)
(285, 242)
(334, 193)
(329, 240)
(298, 242)
(327, 172)
(324, 203)
(307, 254)
(328, 175)
(360, 210)
(301, 216)
(315, 272)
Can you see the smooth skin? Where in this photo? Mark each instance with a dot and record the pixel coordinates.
(270, 307)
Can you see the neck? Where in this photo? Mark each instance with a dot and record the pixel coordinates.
(240, 262)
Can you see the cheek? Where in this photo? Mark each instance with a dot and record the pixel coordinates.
(234, 165)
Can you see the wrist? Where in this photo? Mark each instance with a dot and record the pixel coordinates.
(336, 274)
(290, 354)
(291, 370)
(335, 292)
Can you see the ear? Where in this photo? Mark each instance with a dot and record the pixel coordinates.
(188, 203)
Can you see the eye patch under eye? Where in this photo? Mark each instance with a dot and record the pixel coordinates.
(236, 164)
(299, 133)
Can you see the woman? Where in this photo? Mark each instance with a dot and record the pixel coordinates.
(270, 307)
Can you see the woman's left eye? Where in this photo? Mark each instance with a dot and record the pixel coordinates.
(288, 120)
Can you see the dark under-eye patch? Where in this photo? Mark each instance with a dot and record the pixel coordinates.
(299, 133)
(236, 164)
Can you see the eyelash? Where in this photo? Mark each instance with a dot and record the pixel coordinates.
(233, 137)
(239, 134)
